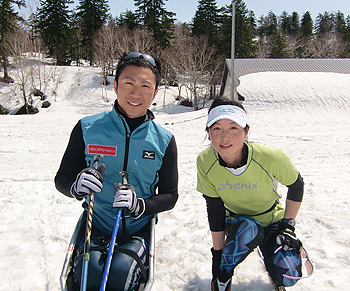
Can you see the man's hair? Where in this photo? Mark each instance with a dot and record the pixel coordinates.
(138, 62)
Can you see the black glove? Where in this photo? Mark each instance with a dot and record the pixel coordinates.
(125, 197)
(89, 179)
(286, 237)
(216, 261)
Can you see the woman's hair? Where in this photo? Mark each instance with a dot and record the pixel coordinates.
(139, 62)
(225, 101)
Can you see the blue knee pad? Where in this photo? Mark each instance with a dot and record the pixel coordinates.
(244, 234)
(286, 263)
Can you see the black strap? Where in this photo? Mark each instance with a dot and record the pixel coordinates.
(103, 249)
(136, 258)
(268, 210)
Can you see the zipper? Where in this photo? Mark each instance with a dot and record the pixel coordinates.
(126, 153)
(125, 166)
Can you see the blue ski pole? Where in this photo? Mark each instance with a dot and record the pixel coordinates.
(88, 231)
(113, 238)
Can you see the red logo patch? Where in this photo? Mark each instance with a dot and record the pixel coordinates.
(102, 150)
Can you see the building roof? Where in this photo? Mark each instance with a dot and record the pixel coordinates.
(248, 66)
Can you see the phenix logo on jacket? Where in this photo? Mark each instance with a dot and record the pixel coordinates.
(251, 190)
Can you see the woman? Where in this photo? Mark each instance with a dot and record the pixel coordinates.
(239, 179)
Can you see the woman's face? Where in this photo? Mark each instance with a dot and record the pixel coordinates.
(227, 138)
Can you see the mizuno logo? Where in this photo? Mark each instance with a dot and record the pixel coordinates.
(148, 155)
(238, 186)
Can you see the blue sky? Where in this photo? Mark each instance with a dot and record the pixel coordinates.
(185, 9)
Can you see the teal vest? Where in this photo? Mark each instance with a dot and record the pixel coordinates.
(140, 154)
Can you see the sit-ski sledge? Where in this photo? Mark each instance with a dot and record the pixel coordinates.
(67, 281)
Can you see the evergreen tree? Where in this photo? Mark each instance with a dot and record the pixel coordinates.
(205, 21)
(272, 24)
(324, 23)
(153, 15)
(245, 47)
(286, 25)
(93, 15)
(340, 23)
(348, 28)
(295, 24)
(76, 50)
(54, 24)
(7, 25)
(306, 26)
(128, 19)
(253, 24)
(278, 46)
(262, 27)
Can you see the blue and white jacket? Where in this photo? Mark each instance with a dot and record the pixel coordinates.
(148, 154)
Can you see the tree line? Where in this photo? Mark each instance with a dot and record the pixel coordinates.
(192, 54)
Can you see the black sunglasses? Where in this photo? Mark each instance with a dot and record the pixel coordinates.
(135, 55)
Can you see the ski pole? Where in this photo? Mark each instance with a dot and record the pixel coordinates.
(113, 238)
(88, 231)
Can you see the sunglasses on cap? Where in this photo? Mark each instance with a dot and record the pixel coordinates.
(307, 267)
(135, 55)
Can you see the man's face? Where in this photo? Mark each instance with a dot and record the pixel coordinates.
(136, 90)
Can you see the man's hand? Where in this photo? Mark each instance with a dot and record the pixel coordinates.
(286, 238)
(125, 197)
(89, 179)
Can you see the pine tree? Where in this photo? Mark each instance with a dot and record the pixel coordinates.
(93, 15)
(295, 24)
(286, 25)
(205, 21)
(245, 46)
(54, 25)
(278, 46)
(348, 29)
(7, 25)
(340, 23)
(306, 26)
(156, 18)
(272, 23)
(324, 23)
(128, 19)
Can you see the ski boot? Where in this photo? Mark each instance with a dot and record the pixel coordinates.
(277, 286)
(220, 286)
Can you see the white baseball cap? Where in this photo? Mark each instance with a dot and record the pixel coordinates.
(231, 112)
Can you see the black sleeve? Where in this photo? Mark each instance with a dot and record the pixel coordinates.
(167, 185)
(72, 163)
(216, 213)
(296, 190)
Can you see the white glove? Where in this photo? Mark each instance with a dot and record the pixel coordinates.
(89, 179)
(125, 197)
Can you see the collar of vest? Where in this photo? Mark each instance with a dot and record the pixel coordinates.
(149, 113)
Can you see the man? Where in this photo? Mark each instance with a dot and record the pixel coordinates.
(130, 141)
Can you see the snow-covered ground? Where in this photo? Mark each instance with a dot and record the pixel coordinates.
(305, 114)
